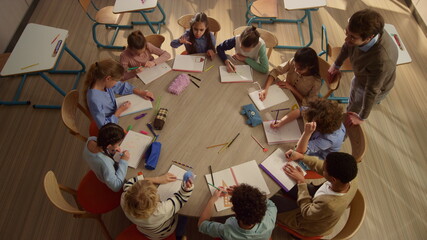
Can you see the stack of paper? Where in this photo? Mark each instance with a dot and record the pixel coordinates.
(150, 74)
(136, 144)
(243, 74)
(275, 96)
(138, 104)
(273, 166)
(248, 173)
(189, 63)
(289, 132)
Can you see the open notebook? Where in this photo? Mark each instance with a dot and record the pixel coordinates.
(150, 74)
(289, 132)
(136, 144)
(167, 190)
(138, 104)
(189, 63)
(273, 166)
(247, 172)
(243, 74)
(275, 96)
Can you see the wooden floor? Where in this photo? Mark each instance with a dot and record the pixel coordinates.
(393, 173)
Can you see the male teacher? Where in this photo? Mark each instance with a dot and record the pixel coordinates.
(373, 56)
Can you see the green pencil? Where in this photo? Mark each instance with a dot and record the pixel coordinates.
(217, 188)
(132, 68)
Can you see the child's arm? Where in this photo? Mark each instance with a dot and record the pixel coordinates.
(123, 88)
(144, 94)
(224, 46)
(178, 42)
(262, 65)
(294, 114)
(124, 60)
(305, 137)
(173, 204)
(115, 179)
(274, 73)
(96, 107)
(163, 55)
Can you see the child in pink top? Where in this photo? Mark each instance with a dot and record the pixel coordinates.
(139, 54)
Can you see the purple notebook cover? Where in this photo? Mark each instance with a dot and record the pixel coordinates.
(273, 177)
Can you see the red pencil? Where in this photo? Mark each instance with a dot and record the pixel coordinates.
(398, 41)
(55, 38)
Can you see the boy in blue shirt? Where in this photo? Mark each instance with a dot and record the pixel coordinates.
(255, 215)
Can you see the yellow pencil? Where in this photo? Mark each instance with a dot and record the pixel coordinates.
(217, 145)
(32, 65)
(209, 68)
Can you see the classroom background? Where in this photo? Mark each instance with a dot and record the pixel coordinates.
(34, 141)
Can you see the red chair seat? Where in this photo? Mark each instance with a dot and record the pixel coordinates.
(312, 175)
(95, 196)
(93, 129)
(296, 234)
(132, 232)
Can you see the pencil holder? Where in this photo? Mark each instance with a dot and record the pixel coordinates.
(179, 84)
(152, 155)
(160, 119)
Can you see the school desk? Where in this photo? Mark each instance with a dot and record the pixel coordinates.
(34, 55)
(143, 7)
(202, 117)
(404, 56)
(305, 5)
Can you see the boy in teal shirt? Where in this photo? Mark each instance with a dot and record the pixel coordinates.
(255, 215)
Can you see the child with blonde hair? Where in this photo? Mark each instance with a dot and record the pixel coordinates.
(101, 85)
(302, 76)
(139, 53)
(198, 39)
(250, 48)
(154, 218)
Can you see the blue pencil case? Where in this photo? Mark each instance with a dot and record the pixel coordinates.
(152, 155)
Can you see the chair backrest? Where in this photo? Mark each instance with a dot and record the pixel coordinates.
(357, 138)
(69, 113)
(323, 71)
(269, 38)
(155, 39)
(355, 218)
(53, 192)
(214, 26)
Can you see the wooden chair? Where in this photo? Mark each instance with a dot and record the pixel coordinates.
(354, 221)
(155, 39)
(261, 11)
(69, 113)
(106, 17)
(54, 193)
(132, 233)
(357, 138)
(333, 52)
(269, 38)
(214, 26)
(323, 70)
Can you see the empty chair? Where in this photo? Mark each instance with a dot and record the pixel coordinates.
(106, 17)
(352, 225)
(214, 26)
(269, 38)
(69, 108)
(92, 198)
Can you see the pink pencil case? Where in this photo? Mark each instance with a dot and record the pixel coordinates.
(179, 84)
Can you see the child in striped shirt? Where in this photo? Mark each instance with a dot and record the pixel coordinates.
(154, 218)
(139, 54)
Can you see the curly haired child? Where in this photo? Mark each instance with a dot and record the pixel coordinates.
(255, 215)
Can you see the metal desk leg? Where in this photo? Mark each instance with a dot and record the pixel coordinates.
(17, 94)
(55, 71)
(150, 23)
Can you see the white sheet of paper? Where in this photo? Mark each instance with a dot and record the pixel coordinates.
(290, 132)
(150, 74)
(243, 74)
(247, 172)
(275, 96)
(403, 56)
(136, 144)
(273, 166)
(138, 104)
(167, 190)
(189, 63)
